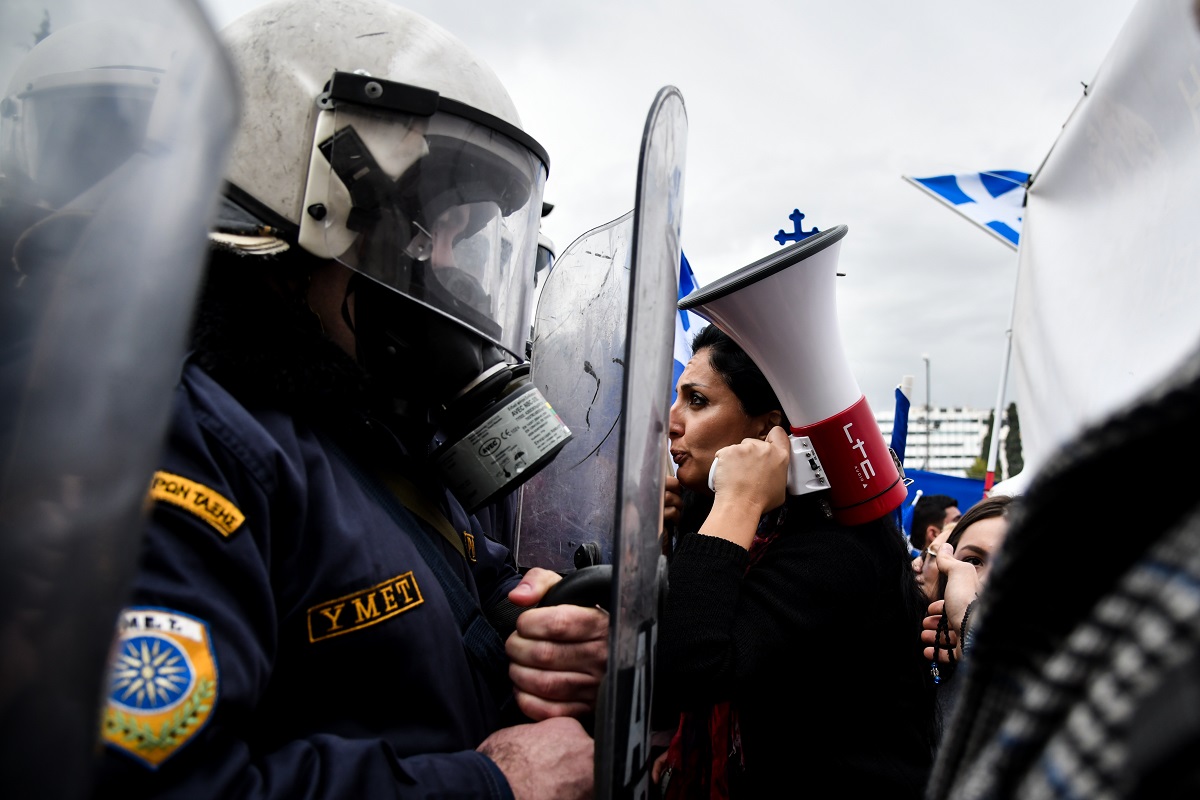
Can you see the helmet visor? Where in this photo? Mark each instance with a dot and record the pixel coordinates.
(65, 133)
(440, 209)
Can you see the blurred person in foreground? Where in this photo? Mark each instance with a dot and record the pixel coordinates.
(1082, 668)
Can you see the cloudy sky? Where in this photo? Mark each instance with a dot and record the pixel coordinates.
(820, 106)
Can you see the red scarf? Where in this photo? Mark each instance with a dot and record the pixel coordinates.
(706, 742)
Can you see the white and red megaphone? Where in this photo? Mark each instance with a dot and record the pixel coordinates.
(782, 311)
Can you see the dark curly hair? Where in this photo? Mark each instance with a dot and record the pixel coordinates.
(741, 374)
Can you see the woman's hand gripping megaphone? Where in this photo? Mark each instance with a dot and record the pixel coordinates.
(804, 474)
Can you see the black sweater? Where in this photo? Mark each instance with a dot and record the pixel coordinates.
(817, 646)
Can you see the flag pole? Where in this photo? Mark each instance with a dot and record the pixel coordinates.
(998, 414)
(994, 447)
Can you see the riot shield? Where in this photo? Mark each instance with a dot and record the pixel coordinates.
(638, 426)
(623, 713)
(578, 363)
(114, 125)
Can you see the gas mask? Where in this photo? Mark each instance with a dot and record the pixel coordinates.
(436, 206)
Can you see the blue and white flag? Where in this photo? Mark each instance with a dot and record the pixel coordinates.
(687, 324)
(900, 439)
(995, 201)
(900, 423)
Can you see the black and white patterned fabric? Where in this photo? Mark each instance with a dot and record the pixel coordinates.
(1083, 678)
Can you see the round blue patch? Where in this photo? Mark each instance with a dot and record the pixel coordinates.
(150, 673)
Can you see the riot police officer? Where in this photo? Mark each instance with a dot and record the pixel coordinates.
(317, 611)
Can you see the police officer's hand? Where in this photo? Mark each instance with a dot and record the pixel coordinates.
(558, 654)
(548, 760)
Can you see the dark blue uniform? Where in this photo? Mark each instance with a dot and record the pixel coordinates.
(285, 637)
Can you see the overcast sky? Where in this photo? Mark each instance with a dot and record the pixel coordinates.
(820, 106)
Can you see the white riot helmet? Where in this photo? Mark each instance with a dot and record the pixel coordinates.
(372, 136)
(77, 107)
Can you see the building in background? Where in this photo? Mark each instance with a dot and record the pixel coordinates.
(956, 437)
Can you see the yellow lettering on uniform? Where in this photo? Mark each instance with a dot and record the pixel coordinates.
(399, 594)
(402, 585)
(198, 500)
(389, 598)
(332, 615)
(365, 612)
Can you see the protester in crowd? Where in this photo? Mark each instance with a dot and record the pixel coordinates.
(961, 587)
(788, 644)
(924, 565)
(315, 613)
(977, 538)
(964, 558)
(931, 514)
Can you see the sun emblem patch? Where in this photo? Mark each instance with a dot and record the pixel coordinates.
(162, 683)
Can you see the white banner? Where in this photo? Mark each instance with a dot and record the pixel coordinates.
(1108, 286)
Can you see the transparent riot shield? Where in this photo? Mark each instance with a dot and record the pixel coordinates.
(585, 481)
(578, 363)
(623, 714)
(114, 124)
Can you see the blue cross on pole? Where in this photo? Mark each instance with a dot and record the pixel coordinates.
(797, 233)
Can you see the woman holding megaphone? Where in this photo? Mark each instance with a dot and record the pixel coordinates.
(786, 646)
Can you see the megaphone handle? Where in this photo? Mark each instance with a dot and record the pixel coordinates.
(804, 469)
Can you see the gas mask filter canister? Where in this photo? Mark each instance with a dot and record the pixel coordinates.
(495, 428)
(500, 432)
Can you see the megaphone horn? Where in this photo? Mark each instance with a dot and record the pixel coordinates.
(782, 311)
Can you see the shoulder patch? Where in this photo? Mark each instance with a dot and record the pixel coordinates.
(162, 684)
(198, 500)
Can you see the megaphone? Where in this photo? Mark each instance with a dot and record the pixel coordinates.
(781, 310)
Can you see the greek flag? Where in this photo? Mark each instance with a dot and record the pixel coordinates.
(900, 423)
(995, 201)
(900, 439)
(687, 324)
